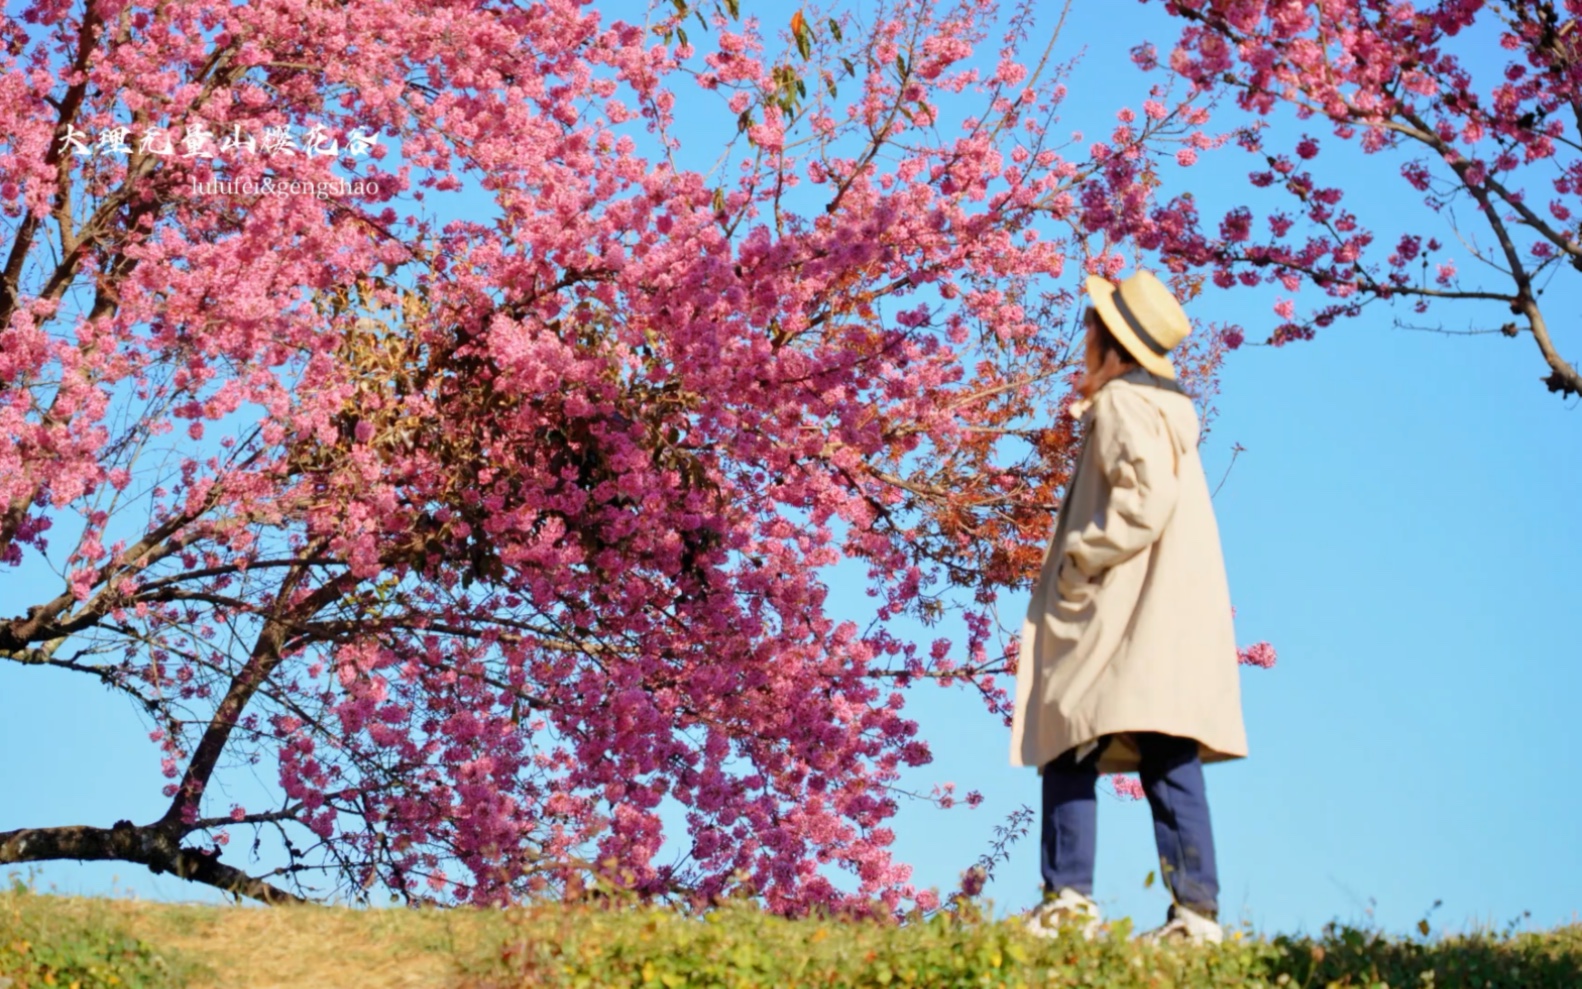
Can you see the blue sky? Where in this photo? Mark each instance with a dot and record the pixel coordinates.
(1402, 527)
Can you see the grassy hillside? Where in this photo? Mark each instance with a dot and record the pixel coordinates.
(125, 944)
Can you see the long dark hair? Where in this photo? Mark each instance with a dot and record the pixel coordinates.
(1114, 360)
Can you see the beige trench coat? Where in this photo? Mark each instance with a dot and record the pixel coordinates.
(1129, 627)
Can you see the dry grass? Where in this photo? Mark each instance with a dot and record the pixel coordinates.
(301, 947)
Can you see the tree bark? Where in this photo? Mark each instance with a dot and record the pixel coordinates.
(150, 845)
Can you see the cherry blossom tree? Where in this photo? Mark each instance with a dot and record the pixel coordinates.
(488, 537)
(1476, 103)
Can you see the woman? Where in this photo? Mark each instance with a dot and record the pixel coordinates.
(1128, 658)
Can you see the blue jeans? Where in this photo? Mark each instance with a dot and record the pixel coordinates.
(1172, 777)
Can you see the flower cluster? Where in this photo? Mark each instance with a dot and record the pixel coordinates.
(1411, 85)
(497, 537)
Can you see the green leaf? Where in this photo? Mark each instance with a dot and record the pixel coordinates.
(1422, 927)
(834, 28)
(719, 200)
(803, 34)
(1148, 880)
(900, 65)
(681, 7)
(734, 7)
(851, 69)
(681, 33)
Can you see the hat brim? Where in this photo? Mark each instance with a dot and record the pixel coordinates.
(1102, 293)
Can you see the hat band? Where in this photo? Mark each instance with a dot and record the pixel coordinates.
(1136, 325)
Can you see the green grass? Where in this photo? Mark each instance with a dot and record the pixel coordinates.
(48, 940)
(740, 947)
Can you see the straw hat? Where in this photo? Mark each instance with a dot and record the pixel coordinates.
(1144, 317)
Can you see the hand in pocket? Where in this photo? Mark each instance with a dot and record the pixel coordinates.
(1072, 584)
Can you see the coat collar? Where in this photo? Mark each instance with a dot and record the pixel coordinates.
(1136, 376)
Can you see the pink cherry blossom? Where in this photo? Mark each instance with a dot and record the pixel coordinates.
(488, 529)
(1481, 142)
(1127, 787)
(1259, 654)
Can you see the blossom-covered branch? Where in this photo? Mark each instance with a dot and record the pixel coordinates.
(1407, 82)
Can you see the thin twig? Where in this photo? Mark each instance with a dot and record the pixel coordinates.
(1235, 451)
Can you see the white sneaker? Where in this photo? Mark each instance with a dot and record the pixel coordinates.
(1184, 924)
(1067, 909)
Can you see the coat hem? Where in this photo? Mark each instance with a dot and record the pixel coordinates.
(1123, 758)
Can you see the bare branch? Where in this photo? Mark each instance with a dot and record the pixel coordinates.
(155, 846)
